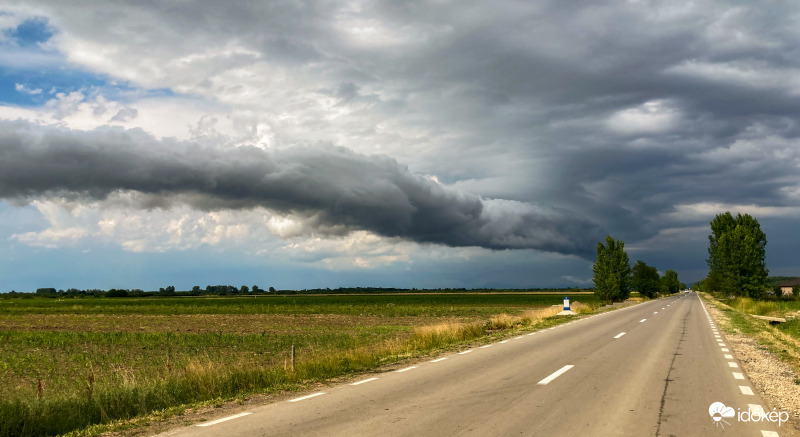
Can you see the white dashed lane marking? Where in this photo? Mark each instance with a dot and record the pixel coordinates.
(619, 335)
(737, 375)
(225, 419)
(555, 374)
(366, 381)
(302, 398)
(746, 390)
(640, 321)
(438, 359)
(405, 370)
(465, 352)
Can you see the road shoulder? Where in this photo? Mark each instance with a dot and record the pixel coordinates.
(775, 380)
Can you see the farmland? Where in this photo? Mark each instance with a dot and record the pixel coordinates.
(100, 359)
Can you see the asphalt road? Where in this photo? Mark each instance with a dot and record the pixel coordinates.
(653, 369)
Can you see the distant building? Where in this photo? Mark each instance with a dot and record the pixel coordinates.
(786, 286)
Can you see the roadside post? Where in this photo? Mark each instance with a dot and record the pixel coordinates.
(567, 311)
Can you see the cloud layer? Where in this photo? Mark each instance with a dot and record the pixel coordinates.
(644, 118)
(332, 189)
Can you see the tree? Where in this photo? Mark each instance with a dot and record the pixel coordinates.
(736, 256)
(612, 271)
(49, 292)
(670, 283)
(645, 279)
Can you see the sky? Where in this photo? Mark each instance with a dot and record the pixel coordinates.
(428, 144)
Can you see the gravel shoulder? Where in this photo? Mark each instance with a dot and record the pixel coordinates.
(776, 380)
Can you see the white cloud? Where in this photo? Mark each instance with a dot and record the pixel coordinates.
(652, 117)
(255, 232)
(708, 210)
(51, 238)
(24, 89)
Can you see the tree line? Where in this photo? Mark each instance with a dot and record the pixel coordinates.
(614, 278)
(229, 290)
(736, 264)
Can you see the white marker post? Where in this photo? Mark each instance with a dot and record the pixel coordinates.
(566, 311)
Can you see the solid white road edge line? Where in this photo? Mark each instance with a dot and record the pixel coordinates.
(364, 381)
(302, 398)
(225, 419)
(555, 374)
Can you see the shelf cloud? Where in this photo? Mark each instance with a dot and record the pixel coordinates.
(335, 190)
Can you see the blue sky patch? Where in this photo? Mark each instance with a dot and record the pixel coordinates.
(30, 33)
(32, 83)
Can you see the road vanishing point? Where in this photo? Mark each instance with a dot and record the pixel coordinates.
(652, 369)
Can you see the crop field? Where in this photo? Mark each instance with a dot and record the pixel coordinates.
(117, 358)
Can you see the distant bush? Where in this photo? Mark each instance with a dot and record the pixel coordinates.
(117, 293)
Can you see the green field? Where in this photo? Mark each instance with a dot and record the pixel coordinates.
(100, 359)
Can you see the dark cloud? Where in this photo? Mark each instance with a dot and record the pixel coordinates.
(621, 111)
(335, 189)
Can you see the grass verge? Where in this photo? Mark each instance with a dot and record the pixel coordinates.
(782, 340)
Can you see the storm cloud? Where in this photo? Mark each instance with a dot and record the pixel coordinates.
(544, 123)
(333, 188)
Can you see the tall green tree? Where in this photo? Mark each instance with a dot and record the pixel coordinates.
(645, 279)
(737, 256)
(612, 271)
(670, 283)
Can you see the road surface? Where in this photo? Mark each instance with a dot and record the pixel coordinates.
(653, 369)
